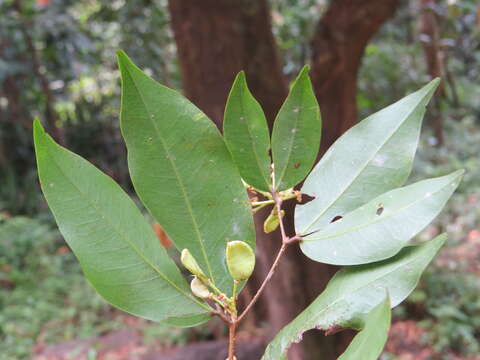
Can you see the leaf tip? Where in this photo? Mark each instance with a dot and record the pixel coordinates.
(457, 177)
(305, 69)
(435, 82)
(124, 61)
(240, 81)
(432, 86)
(241, 74)
(38, 132)
(460, 172)
(37, 126)
(439, 241)
(303, 74)
(122, 56)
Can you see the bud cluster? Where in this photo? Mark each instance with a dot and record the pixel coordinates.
(240, 260)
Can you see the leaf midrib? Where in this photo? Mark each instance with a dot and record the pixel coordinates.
(282, 174)
(362, 169)
(179, 180)
(378, 218)
(247, 124)
(121, 234)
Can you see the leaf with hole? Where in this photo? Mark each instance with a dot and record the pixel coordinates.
(296, 134)
(183, 172)
(380, 228)
(354, 291)
(371, 158)
(246, 134)
(117, 249)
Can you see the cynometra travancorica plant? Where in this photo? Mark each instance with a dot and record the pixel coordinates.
(194, 182)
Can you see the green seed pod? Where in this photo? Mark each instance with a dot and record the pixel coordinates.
(199, 289)
(272, 221)
(240, 260)
(191, 264)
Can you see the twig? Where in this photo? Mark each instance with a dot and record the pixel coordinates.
(259, 207)
(218, 312)
(285, 242)
(231, 340)
(278, 203)
(265, 281)
(265, 202)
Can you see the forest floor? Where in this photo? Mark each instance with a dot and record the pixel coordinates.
(404, 342)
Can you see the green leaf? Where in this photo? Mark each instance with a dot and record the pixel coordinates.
(371, 158)
(117, 249)
(183, 172)
(369, 343)
(354, 291)
(187, 321)
(296, 134)
(246, 134)
(379, 229)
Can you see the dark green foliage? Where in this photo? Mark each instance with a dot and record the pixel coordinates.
(75, 45)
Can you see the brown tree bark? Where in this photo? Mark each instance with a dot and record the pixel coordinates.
(218, 38)
(429, 30)
(337, 49)
(51, 115)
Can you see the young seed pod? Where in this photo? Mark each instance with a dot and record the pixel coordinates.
(199, 289)
(240, 260)
(272, 221)
(191, 264)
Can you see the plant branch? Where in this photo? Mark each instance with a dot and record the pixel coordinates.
(277, 200)
(219, 312)
(231, 340)
(259, 207)
(265, 281)
(234, 294)
(285, 242)
(266, 202)
(278, 204)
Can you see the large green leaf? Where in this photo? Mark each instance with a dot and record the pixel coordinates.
(383, 226)
(354, 291)
(187, 321)
(183, 172)
(296, 134)
(369, 343)
(246, 134)
(119, 252)
(371, 158)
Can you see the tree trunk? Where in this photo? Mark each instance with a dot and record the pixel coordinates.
(215, 40)
(51, 116)
(430, 39)
(337, 49)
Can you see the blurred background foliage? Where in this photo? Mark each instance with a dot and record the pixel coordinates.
(57, 62)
